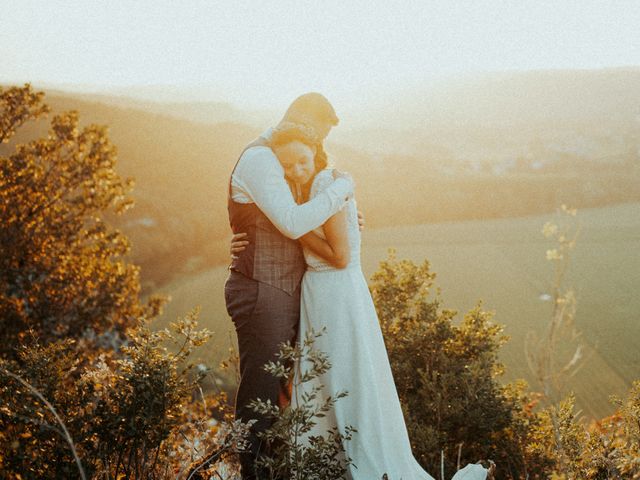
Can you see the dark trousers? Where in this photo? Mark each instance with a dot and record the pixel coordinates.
(264, 317)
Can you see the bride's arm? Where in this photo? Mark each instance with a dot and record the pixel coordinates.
(335, 249)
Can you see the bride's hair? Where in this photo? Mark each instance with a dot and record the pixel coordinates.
(287, 132)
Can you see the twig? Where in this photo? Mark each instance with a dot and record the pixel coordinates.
(205, 462)
(67, 436)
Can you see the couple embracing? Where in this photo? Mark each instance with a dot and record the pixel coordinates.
(296, 268)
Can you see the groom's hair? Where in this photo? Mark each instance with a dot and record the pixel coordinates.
(311, 106)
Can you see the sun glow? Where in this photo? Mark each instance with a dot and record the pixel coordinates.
(261, 54)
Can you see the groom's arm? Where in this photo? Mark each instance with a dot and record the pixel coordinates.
(261, 177)
(335, 248)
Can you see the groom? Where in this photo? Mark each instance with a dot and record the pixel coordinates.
(262, 291)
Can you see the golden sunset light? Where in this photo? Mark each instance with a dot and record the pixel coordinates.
(319, 240)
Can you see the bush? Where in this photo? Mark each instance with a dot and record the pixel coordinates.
(119, 413)
(86, 388)
(63, 270)
(446, 376)
(607, 449)
(294, 452)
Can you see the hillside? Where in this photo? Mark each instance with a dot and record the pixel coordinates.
(503, 263)
(503, 114)
(497, 147)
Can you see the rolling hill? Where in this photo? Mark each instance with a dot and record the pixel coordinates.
(181, 162)
(501, 262)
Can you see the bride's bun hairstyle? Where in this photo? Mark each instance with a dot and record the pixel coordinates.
(287, 132)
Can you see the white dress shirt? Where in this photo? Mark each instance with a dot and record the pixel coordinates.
(259, 178)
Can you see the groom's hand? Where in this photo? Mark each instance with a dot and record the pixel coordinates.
(238, 244)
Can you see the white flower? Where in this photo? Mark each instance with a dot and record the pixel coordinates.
(549, 229)
(553, 254)
(569, 211)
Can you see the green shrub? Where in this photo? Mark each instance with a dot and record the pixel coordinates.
(295, 453)
(63, 269)
(446, 376)
(119, 413)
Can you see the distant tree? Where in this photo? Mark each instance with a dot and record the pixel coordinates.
(63, 270)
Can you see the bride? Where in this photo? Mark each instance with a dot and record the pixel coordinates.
(335, 295)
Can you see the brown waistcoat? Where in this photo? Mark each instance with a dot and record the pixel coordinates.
(270, 257)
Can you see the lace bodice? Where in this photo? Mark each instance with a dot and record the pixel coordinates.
(314, 263)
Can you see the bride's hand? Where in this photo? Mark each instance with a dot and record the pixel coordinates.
(492, 470)
(238, 244)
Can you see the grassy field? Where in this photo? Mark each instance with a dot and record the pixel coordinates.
(503, 263)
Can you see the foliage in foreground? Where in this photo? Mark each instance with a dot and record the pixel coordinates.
(84, 381)
(63, 269)
(297, 451)
(82, 378)
(447, 380)
(121, 414)
(446, 376)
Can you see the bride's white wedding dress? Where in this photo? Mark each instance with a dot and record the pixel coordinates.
(339, 300)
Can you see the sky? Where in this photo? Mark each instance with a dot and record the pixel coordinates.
(261, 54)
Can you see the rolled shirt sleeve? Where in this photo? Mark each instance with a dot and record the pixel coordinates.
(259, 177)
